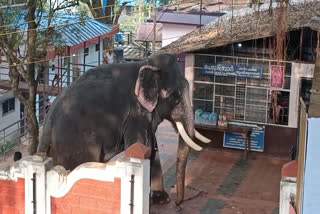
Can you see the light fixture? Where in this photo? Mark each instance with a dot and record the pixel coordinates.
(239, 45)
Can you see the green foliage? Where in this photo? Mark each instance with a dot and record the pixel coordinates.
(164, 2)
(10, 143)
(130, 23)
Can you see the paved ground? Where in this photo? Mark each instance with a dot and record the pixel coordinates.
(220, 182)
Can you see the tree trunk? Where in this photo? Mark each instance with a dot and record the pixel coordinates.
(32, 123)
(108, 44)
(30, 104)
(140, 2)
(118, 13)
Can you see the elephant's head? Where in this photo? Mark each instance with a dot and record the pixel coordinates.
(162, 88)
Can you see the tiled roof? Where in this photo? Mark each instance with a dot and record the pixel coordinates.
(145, 32)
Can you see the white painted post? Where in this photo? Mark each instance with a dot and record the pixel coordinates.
(140, 168)
(38, 164)
(288, 188)
(298, 70)
(189, 72)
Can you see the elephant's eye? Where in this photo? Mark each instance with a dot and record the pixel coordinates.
(176, 96)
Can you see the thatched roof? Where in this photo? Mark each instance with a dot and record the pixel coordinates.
(208, 6)
(247, 24)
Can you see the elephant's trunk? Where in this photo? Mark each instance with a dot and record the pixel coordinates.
(187, 123)
(182, 157)
(184, 121)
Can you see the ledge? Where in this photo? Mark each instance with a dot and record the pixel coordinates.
(138, 150)
(290, 169)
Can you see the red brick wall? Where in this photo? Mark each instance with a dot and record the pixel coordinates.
(89, 196)
(12, 196)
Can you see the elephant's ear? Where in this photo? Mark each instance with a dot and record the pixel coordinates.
(147, 87)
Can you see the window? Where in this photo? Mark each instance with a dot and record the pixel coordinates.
(8, 106)
(242, 99)
(98, 47)
(305, 90)
(86, 51)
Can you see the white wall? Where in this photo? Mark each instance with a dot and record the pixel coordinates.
(4, 72)
(4, 69)
(298, 71)
(55, 181)
(172, 32)
(92, 58)
(77, 57)
(189, 73)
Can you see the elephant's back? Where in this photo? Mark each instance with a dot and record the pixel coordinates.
(89, 112)
(103, 89)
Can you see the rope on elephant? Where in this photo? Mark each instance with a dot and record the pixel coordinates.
(200, 191)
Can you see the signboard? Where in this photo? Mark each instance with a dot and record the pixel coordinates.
(237, 141)
(229, 70)
(277, 76)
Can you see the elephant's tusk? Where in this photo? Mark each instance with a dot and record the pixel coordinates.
(201, 137)
(186, 137)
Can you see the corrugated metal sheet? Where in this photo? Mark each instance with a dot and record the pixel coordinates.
(75, 33)
(183, 18)
(75, 29)
(71, 29)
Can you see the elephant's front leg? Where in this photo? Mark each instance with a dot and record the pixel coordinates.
(158, 194)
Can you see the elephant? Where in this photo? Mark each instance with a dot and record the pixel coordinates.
(113, 106)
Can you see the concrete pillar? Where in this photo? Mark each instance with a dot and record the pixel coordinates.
(189, 72)
(298, 71)
(288, 186)
(140, 169)
(35, 168)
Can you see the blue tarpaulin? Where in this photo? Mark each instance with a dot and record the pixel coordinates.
(104, 4)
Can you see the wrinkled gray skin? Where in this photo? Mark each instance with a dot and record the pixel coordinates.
(100, 115)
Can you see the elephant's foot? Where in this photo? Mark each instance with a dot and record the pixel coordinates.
(160, 197)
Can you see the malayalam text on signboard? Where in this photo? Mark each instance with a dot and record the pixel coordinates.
(234, 140)
(229, 70)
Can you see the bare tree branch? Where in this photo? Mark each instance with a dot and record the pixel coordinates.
(118, 13)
